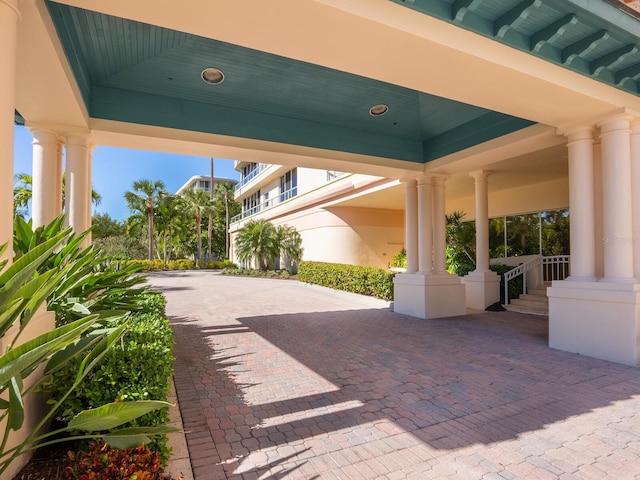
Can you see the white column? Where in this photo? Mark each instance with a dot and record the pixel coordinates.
(411, 224)
(582, 204)
(78, 183)
(46, 183)
(425, 226)
(616, 201)
(9, 17)
(58, 183)
(90, 186)
(439, 227)
(635, 193)
(482, 220)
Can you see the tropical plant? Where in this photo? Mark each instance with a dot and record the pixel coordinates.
(198, 203)
(23, 290)
(167, 223)
(225, 208)
(257, 241)
(262, 242)
(289, 243)
(22, 193)
(461, 244)
(143, 199)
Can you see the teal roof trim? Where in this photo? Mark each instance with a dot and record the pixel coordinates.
(148, 109)
(591, 37)
(489, 126)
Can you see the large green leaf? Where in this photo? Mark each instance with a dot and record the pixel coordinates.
(16, 404)
(134, 436)
(98, 352)
(10, 313)
(113, 415)
(23, 269)
(26, 357)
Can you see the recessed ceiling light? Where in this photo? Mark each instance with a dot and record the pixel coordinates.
(212, 76)
(378, 110)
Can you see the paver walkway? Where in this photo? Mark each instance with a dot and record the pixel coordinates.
(277, 379)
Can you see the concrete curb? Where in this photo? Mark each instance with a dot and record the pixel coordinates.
(179, 465)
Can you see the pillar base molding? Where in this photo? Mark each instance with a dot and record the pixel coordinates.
(482, 289)
(597, 319)
(428, 296)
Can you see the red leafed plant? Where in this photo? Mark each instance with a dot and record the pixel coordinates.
(102, 462)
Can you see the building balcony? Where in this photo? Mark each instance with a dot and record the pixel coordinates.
(272, 202)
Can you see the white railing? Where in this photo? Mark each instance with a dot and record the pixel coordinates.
(551, 268)
(555, 268)
(521, 269)
(281, 197)
(251, 175)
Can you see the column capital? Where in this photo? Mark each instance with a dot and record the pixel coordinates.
(480, 175)
(409, 181)
(581, 134)
(43, 135)
(411, 177)
(439, 179)
(79, 138)
(425, 179)
(616, 123)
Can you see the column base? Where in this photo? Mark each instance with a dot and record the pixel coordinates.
(597, 319)
(428, 296)
(482, 289)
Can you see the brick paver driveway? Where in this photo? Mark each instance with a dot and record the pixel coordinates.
(276, 379)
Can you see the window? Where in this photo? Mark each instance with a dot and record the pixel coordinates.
(289, 185)
(247, 169)
(251, 204)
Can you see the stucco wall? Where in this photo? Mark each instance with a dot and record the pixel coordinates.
(530, 198)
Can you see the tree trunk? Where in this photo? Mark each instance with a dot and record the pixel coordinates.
(210, 226)
(150, 214)
(199, 235)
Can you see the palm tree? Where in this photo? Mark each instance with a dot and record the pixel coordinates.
(144, 199)
(166, 214)
(289, 244)
(198, 203)
(23, 192)
(258, 240)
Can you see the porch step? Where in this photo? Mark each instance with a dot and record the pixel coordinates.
(534, 302)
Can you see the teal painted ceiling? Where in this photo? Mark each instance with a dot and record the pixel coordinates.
(134, 72)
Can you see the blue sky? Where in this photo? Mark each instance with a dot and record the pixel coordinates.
(115, 170)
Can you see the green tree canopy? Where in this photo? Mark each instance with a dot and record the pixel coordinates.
(143, 200)
(198, 204)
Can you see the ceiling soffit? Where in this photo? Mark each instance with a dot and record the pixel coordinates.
(138, 73)
(593, 38)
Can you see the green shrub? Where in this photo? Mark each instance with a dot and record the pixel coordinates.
(515, 284)
(146, 265)
(250, 272)
(371, 281)
(221, 264)
(140, 368)
(399, 259)
(181, 264)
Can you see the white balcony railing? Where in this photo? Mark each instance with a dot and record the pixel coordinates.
(272, 202)
(252, 174)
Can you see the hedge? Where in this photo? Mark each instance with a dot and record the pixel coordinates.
(181, 264)
(139, 368)
(372, 281)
